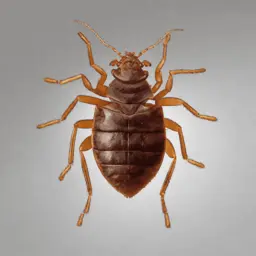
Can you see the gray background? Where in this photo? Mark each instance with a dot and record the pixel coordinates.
(212, 210)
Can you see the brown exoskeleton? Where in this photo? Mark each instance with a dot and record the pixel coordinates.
(128, 134)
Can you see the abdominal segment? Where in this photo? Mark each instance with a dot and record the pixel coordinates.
(128, 149)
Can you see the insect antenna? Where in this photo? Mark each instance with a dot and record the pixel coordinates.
(158, 41)
(97, 35)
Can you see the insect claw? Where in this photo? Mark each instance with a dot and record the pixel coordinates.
(167, 220)
(198, 164)
(81, 35)
(56, 121)
(51, 80)
(80, 220)
(39, 126)
(209, 118)
(64, 172)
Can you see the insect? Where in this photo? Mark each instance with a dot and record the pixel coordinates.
(128, 133)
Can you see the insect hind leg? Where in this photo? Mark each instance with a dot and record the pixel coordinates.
(177, 128)
(82, 124)
(171, 153)
(85, 146)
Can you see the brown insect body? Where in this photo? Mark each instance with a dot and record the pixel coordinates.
(128, 138)
(128, 134)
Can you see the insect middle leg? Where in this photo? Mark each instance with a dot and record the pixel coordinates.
(85, 146)
(87, 84)
(82, 124)
(171, 153)
(178, 102)
(80, 98)
(177, 128)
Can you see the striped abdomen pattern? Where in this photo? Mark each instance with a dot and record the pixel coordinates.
(128, 149)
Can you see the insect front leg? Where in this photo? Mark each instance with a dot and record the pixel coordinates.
(158, 72)
(100, 88)
(82, 124)
(178, 102)
(80, 98)
(171, 153)
(85, 146)
(169, 83)
(177, 128)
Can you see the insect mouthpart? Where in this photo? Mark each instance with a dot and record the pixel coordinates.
(132, 64)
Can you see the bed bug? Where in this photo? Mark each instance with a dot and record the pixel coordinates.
(128, 133)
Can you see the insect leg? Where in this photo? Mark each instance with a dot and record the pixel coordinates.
(100, 88)
(177, 128)
(80, 98)
(171, 153)
(169, 83)
(85, 81)
(177, 102)
(158, 72)
(85, 146)
(82, 124)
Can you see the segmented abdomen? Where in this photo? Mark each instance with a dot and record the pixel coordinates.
(128, 149)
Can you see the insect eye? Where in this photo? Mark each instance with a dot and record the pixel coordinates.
(146, 63)
(114, 63)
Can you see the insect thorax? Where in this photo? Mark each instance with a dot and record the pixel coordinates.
(128, 96)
